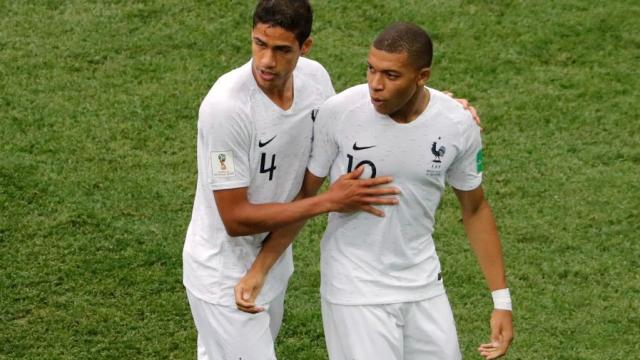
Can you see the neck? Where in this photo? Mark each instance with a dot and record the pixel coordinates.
(413, 108)
(280, 93)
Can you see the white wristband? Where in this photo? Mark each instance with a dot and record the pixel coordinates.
(501, 299)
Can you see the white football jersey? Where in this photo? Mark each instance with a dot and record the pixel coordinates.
(372, 260)
(245, 140)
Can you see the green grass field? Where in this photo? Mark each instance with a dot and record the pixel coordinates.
(98, 106)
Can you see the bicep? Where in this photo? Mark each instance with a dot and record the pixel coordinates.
(311, 184)
(230, 202)
(470, 200)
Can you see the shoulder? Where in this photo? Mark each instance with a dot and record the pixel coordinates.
(339, 107)
(452, 112)
(310, 68)
(315, 76)
(352, 97)
(228, 97)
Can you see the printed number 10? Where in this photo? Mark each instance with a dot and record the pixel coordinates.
(361, 163)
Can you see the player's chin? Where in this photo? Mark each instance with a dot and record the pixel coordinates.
(381, 108)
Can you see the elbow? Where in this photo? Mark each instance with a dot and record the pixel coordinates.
(236, 233)
(470, 212)
(234, 228)
(238, 216)
(239, 226)
(475, 209)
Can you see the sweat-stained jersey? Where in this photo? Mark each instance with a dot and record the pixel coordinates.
(245, 140)
(372, 260)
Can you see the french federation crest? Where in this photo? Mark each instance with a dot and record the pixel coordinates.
(438, 151)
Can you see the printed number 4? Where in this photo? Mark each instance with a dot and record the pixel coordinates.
(270, 170)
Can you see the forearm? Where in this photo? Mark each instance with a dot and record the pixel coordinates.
(482, 233)
(274, 246)
(348, 193)
(278, 240)
(250, 285)
(256, 218)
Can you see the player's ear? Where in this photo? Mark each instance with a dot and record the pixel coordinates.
(306, 45)
(423, 76)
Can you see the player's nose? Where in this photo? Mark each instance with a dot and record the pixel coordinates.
(376, 83)
(268, 60)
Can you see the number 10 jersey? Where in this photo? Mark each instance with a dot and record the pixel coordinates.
(372, 260)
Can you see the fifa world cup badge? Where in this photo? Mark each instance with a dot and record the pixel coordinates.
(222, 164)
(222, 158)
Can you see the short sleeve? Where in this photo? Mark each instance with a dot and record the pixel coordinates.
(324, 148)
(223, 146)
(465, 173)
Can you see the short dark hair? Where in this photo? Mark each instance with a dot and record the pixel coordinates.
(295, 16)
(406, 37)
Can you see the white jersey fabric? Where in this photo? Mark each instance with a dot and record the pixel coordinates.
(245, 140)
(372, 260)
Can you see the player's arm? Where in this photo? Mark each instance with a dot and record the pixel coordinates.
(224, 138)
(249, 287)
(349, 193)
(482, 233)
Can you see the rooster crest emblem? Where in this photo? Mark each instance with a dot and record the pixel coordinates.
(438, 152)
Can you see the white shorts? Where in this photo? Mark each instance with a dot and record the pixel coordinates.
(419, 330)
(226, 333)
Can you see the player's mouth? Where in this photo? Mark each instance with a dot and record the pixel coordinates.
(377, 101)
(266, 75)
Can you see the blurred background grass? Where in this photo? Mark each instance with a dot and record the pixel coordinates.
(97, 168)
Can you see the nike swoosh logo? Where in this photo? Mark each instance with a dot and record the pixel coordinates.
(356, 147)
(261, 144)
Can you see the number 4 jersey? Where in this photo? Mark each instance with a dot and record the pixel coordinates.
(245, 140)
(372, 260)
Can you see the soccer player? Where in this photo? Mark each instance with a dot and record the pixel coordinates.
(382, 287)
(254, 140)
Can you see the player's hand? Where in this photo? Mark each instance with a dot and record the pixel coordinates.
(501, 335)
(467, 106)
(247, 290)
(350, 193)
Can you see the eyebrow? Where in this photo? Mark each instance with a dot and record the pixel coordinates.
(283, 47)
(386, 71)
(275, 47)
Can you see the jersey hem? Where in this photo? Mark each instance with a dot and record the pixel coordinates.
(229, 299)
(230, 185)
(211, 300)
(381, 301)
(467, 186)
(316, 171)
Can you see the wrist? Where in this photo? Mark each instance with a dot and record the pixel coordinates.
(260, 267)
(325, 203)
(501, 299)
